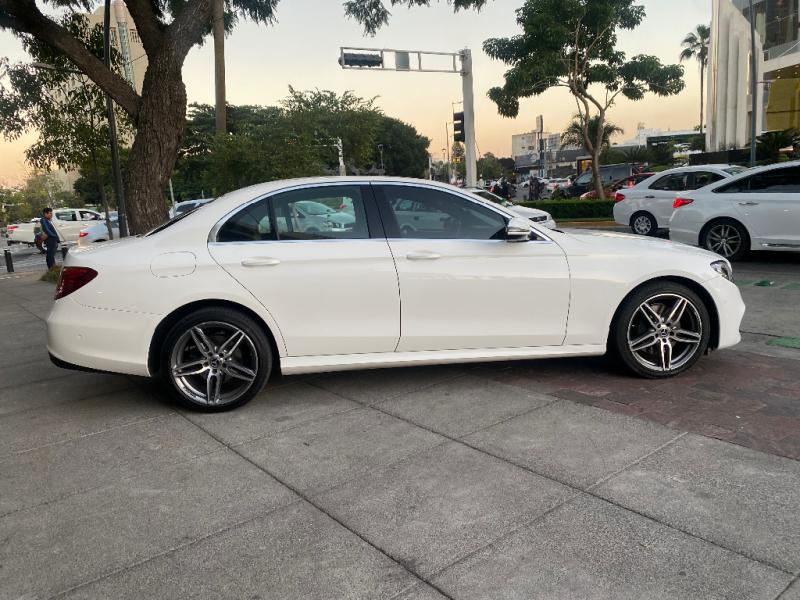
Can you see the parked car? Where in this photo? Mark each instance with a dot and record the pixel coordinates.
(755, 210)
(67, 221)
(216, 300)
(608, 174)
(621, 184)
(534, 214)
(98, 232)
(647, 206)
(187, 205)
(552, 185)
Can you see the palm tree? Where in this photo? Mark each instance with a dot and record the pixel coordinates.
(695, 45)
(771, 143)
(573, 134)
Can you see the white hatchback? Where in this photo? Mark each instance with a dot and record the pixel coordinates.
(217, 299)
(647, 206)
(757, 210)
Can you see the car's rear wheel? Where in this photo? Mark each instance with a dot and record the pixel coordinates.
(661, 330)
(215, 359)
(727, 238)
(643, 223)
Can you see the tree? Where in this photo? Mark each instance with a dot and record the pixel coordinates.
(574, 133)
(695, 46)
(168, 29)
(405, 152)
(489, 167)
(636, 154)
(770, 143)
(572, 44)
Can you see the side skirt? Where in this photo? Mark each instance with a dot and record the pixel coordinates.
(292, 365)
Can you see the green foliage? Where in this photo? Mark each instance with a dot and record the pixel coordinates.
(770, 143)
(489, 167)
(662, 154)
(573, 134)
(612, 156)
(636, 154)
(372, 14)
(698, 143)
(39, 190)
(405, 152)
(66, 110)
(576, 209)
(86, 185)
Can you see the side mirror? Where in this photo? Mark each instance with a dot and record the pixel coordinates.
(518, 229)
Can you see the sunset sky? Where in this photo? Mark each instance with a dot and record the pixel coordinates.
(302, 47)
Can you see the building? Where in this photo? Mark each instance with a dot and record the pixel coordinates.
(558, 161)
(125, 38)
(778, 70)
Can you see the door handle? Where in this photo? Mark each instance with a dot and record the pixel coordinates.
(260, 261)
(423, 255)
(748, 203)
(649, 197)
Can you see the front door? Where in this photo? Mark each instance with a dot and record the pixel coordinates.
(769, 205)
(329, 285)
(462, 285)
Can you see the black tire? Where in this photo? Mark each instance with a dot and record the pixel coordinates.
(709, 241)
(628, 328)
(643, 223)
(255, 348)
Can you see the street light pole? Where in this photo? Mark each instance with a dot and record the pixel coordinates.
(753, 85)
(469, 118)
(112, 128)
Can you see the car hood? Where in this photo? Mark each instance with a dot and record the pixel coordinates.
(628, 243)
(524, 211)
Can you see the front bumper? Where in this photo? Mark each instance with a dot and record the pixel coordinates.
(730, 310)
(99, 339)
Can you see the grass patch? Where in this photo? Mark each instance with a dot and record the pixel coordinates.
(51, 275)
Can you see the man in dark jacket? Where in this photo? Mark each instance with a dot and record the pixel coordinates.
(51, 243)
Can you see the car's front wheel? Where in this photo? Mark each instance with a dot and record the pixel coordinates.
(661, 330)
(215, 359)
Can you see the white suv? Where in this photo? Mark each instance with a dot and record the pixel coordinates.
(647, 206)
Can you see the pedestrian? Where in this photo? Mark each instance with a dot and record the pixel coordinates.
(49, 236)
(504, 189)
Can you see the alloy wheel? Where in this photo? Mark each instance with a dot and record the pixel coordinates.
(724, 239)
(642, 225)
(665, 332)
(213, 363)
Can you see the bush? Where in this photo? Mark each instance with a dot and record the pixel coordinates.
(576, 209)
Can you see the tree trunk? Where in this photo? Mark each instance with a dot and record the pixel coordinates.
(160, 126)
(702, 93)
(597, 147)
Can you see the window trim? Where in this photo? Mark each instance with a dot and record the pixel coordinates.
(374, 224)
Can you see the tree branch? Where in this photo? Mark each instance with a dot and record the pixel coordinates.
(188, 26)
(24, 16)
(147, 24)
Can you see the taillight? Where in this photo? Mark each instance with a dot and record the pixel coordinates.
(619, 197)
(11, 227)
(83, 234)
(681, 202)
(73, 278)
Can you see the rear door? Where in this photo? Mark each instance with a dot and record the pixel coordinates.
(769, 206)
(331, 288)
(67, 224)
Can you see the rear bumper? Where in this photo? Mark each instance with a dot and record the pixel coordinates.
(99, 340)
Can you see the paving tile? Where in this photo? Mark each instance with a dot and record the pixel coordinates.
(441, 504)
(36, 368)
(39, 427)
(421, 592)
(590, 549)
(325, 452)
(793, 593)
(293, 552)
(52, 472)
(738, 498)
(36, 394)
(374, 385)
(462, 405)
(57, 546)
(274, 409)
(576, 444)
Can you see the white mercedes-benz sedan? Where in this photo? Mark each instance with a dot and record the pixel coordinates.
(216, 300)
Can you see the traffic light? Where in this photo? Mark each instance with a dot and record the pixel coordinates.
(357, 59)
(458, 127)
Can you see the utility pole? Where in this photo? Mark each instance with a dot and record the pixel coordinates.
(342, 169)
(469, 118)
(753, 85)
(219, 65)
(112, 128)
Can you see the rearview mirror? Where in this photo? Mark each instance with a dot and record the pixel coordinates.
(518, 229)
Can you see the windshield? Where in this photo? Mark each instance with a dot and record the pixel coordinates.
(489, 196)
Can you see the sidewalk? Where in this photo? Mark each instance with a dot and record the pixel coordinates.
(423, 483)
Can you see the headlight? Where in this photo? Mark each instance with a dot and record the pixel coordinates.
(723, 267)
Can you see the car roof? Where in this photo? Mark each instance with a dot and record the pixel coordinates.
(752, 171)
